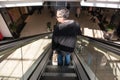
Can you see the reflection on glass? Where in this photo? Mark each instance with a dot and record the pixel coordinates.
(15, 64)
(101, 63)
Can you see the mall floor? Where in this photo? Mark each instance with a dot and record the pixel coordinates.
(36, 24)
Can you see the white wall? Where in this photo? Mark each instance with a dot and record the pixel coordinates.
(3, 28)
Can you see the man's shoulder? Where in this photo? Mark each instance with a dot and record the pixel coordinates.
(69, 23)
(75, 23)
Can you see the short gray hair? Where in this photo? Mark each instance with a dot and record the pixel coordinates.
(63, 12)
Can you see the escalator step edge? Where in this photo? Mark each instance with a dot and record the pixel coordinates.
(59, 76)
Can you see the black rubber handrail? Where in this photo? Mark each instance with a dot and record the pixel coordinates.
(21, 41)
(108, 42)
(99, 40)
(109, 46)
(23, 38)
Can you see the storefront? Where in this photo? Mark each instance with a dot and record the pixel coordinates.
(14, 18)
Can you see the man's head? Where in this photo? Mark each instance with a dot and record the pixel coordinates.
(62, 14)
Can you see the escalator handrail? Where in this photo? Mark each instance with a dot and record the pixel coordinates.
(104, 41)
(108, 45)
(81, 72)
(21, 41)
(37, 68)
(23, 38)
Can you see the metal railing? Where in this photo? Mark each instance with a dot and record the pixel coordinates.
(20, 57)
(100, 59)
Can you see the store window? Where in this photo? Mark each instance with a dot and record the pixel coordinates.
(14, 14)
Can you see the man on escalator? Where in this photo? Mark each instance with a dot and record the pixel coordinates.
(64, 37)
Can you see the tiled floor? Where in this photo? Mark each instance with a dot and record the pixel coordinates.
(36, 24)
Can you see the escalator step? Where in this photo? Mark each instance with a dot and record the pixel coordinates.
(50, 62)
(59, 76)
(61, 69)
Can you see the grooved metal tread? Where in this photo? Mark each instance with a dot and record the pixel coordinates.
(59, 74)
(55, 66)
(61, 69)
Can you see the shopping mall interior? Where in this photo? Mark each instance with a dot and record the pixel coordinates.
(26, 35)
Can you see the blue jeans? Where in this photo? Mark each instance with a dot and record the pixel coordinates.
(64, 59)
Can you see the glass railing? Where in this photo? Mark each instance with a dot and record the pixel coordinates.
(101, 60)
(19, 58)
(105, 0)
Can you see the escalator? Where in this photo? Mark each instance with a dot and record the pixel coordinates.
(54, 72)
(81, 67)
(90, 60)
(47, 71)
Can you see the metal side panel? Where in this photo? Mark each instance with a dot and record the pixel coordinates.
(79, 69)
(41, 66)
(36, 69)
